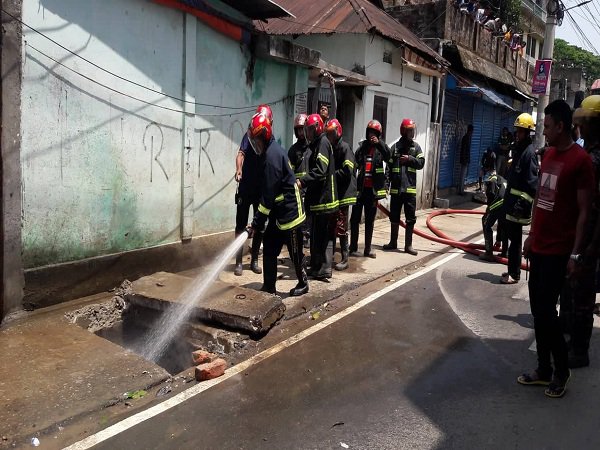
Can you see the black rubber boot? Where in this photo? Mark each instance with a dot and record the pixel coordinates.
(326, 267)
(344, 249)
(488, 255)
(270, 274)
(353, 250)
(368, 238)
(393, 244)
(256, 241)
(408, 238)
(302, 286)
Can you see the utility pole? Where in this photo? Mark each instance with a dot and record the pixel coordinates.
(552, 8)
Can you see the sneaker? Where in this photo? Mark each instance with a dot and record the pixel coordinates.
(508, 280)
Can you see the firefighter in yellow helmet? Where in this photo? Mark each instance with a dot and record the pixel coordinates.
(577, 299)
(522, 179)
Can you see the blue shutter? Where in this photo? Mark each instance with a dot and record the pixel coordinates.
(449, 141)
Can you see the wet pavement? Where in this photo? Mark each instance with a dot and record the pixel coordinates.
(431, 364)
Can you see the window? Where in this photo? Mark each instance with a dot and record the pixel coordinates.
(417, 76)
(387, 56)
(380, 105)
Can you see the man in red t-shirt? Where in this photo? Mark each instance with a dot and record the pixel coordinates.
(555, 242)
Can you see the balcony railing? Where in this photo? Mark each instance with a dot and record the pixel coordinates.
(535, 9)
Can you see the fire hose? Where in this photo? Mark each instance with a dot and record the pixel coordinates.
(442, 238)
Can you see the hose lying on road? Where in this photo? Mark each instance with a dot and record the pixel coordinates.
(442, 238)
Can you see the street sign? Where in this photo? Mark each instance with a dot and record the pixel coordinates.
(541, 76)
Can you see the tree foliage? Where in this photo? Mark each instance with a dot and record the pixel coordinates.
(569, 56)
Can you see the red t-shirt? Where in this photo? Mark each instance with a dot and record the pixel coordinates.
(562, 174)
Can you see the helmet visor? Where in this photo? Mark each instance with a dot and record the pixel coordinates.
(257, 144)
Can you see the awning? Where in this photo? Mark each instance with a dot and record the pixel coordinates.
(343, 77)
(477, 64)
(462, 84)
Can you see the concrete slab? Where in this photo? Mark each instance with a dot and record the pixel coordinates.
(232, 306)
(52, 370)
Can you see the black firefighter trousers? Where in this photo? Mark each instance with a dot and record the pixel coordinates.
(273, 241)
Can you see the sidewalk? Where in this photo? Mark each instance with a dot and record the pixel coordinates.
(53, 371)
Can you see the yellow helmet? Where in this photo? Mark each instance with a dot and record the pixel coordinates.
(590, 108)
(525, 121)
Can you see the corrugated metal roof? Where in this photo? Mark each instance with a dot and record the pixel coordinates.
(344, 16)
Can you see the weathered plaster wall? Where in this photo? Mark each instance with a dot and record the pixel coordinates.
(104, 173)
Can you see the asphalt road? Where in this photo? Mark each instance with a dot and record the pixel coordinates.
(432, 364)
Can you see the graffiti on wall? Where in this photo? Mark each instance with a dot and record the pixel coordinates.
(154, 141)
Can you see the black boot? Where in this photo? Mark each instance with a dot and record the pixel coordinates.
(256, 241)
(408, 237)
(343, 264)
(270, 274)
(368, 238)
(488, 255)
(393, 244)
(302, 286)
(353, 250)
(325, 270)
(239, 269)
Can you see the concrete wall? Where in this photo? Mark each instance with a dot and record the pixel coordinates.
(11, 289)
(104, 173)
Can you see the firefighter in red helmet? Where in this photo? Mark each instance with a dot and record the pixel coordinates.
(321, 196)
(299, 154)
(280, 203)
(247, 194)
(345, 179)
(406, 158)
(370, 156)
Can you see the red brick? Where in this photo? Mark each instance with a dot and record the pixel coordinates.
(211, 370)
(202, 357)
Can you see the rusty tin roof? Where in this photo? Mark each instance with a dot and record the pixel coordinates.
(344, 16)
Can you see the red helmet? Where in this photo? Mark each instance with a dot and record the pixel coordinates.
(265, 110)
(407, 124)
(375, 126)
(260, 132)
(334, 126)
(313, 127)
(300, 120)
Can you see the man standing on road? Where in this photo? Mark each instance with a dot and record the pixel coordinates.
(555, 243)
(465, 158)
(371, 185)
(321, 197)
(280, 203)
(522, 179)
(247, 169)
(406, 158)
(579, 295)
(345, 180)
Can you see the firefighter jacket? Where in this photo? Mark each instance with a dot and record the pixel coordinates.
(345, 176)
(369, 163)
(298, 155)
(280, 198)
(522, 180)
(321, 191)
(403, 177)
(495, 188)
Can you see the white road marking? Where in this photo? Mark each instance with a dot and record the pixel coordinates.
(142, 416)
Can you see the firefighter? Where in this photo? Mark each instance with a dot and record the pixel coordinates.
(405, 159)
(299, 154)
(495, 188)
(522, 179)
(280, 203)
(247, 194)
(579, 295)
(346, 186)
(321, 197)
(370, 156)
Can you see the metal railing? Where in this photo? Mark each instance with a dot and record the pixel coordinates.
(537, 10)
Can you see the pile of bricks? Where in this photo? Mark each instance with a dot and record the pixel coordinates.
(208, 365)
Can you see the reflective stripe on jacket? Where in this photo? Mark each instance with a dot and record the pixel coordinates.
(381, 154)
(403, 178)
(345, 175)
(321, 190)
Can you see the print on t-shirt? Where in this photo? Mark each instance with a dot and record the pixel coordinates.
(548, 181)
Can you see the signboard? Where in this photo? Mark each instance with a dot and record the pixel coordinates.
(541, 76)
